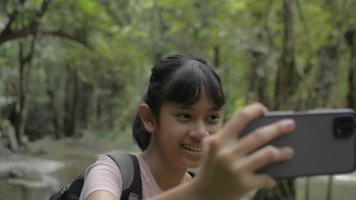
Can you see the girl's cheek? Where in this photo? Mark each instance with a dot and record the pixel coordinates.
(215, 129)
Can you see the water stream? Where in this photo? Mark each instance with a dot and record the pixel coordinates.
(37, 177)
(29, 179)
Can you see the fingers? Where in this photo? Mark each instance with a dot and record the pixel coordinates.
(262, 181)
(263, 135)
(230, 160)
(211, 145)
(241, 119)
(266, 156)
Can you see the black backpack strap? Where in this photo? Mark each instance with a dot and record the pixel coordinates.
(131, 175)
(71, 191)
(191, 173)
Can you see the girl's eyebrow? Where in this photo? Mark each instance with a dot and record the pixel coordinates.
(188, 107)
(184, 107)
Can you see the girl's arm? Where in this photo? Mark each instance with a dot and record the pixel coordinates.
(229, 166)
(101, 195)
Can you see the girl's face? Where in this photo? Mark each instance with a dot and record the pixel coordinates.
(181, 130)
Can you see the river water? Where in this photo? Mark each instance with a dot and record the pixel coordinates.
(37, 177)
(31, 179)
(41, 186)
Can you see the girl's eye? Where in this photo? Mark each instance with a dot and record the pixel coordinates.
(183, 117)
(213, 119)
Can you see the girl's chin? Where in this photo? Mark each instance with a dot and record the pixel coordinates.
(191, 159)
(194, 165)
(193, 162)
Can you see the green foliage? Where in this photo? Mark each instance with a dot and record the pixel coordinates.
(113, 45)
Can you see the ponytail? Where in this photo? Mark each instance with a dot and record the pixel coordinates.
(141, 136)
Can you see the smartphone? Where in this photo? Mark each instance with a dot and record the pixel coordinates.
(324, 142)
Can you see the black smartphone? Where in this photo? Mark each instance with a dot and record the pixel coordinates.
(324, 142)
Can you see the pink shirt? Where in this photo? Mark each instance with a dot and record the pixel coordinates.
(105, 175)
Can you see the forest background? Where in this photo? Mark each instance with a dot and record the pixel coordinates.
(78, 68)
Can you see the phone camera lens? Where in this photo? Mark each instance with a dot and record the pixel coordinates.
(343, 127)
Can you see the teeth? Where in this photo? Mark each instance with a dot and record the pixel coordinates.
(192, 147)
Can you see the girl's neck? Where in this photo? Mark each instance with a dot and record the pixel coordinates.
(166, 175)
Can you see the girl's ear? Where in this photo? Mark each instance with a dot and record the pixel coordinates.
(147, 117)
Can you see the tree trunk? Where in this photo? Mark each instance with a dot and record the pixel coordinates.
(21, 113)
(54, 113)
(286, 84)
(307, 188)
(351, 42)
(217, 56)
(329, 188)
(157, 33)
(94, 106)
(351, 96)
(86, 97)
(286, 79)
(75, 100)
(7, 132)
(328, 60)
(24, 74)
(71, 103)
(257, 81)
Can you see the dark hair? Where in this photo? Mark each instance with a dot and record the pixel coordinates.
(179, 79)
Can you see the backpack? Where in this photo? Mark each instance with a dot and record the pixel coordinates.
(131, 180)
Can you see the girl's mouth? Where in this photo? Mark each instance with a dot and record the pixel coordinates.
(192, 147)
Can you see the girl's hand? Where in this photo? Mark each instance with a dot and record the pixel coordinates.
(229, 165)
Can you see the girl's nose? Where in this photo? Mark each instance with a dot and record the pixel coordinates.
(200, 129)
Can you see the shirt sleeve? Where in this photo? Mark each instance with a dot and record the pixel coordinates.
(102, 175)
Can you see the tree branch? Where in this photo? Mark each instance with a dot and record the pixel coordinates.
(269, 35)
(28, 58)
(62, 34)
(32, 28)
(9, 33)
(12, 17)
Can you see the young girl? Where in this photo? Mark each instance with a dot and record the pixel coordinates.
(179, 126)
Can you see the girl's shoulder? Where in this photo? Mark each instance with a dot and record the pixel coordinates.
(103, 174)
(103, 162)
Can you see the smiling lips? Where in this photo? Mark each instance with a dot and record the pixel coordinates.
(192, 147)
